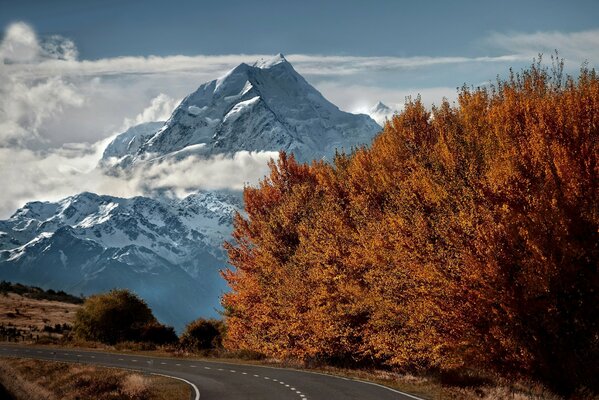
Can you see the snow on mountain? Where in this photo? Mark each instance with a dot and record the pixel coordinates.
(266, 106)
(380, 113)
(170, 250)
(89, 243)
(130, 141)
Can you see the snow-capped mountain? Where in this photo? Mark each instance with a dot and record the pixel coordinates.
(86, 243)
(266, 106)
(380, 113)
(170, 250)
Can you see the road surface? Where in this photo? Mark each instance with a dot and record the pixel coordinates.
(223, 380)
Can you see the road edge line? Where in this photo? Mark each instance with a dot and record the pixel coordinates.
(195, 388)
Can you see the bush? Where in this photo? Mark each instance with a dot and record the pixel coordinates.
(118, 316)
(158, 334)
(203, 334)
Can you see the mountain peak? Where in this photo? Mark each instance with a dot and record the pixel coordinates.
(266, 106)
(380, 107)
(265, 63)
(380, 112)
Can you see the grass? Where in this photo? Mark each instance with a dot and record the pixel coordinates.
(48, 380)
(29, 318)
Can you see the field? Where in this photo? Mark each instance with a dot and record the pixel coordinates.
(25, 318)
(35, 379)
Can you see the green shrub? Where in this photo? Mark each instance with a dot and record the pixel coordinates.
(119, 316)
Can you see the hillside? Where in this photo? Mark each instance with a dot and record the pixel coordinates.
(29, 313)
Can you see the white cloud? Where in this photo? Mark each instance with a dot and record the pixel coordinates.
(29, 175)
(160, 109)
(26, 105)
(575, 47)
(19, 45)
(182, 176)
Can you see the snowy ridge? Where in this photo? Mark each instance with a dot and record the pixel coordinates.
(102, 239)
(267, 106)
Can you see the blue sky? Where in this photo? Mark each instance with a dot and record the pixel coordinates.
(368, 28)
(73, 74)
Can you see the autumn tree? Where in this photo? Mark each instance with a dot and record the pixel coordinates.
(463, 236)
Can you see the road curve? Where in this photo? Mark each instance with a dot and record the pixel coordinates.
(223, 381)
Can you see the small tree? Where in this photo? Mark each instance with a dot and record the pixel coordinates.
(158, 334)
(203, 334)
(112, 317)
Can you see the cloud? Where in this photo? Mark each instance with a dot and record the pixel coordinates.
(183, 176)
(160, 109)
(575, 47)
(26, 105)
(20, 45)
(29, 175)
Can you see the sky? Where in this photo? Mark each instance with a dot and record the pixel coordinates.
(75, 73)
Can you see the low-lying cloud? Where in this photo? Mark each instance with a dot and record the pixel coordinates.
(29, 175)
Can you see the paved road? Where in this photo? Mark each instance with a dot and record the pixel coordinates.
(224, 381)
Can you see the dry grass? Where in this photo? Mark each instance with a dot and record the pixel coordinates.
(35, 379)
(30, 316)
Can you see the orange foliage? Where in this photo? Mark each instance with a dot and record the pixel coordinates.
(464, 236)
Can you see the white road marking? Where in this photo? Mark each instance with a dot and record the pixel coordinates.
(195, 388)
(120, 359)
(163, 363)
(192, 366)
(232, 370)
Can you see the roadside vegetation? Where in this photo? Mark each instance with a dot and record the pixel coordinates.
(463, 243)
(120, 316)
(47, 380)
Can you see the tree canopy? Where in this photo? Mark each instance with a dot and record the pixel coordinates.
(118, 316)
(465, 235)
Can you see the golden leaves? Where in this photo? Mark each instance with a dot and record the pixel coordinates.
(443, 244)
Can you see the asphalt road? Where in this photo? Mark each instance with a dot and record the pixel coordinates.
(223, 381)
